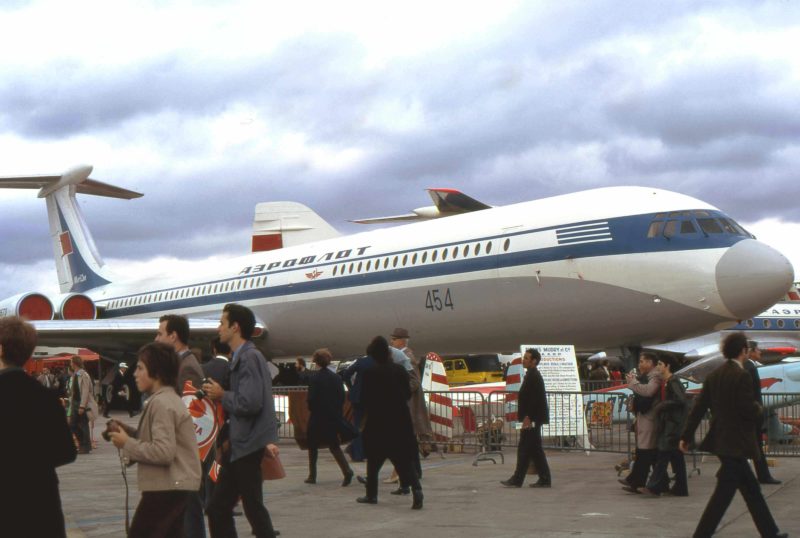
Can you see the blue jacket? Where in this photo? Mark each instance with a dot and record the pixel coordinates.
(249, 404)
(358, 368)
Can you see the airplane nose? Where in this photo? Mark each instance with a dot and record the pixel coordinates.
(752, 276)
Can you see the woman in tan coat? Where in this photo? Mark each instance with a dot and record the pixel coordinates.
(164, 446)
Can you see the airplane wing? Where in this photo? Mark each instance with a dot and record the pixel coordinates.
(446, 202)
(453, 201)
(115, 337)
(396, 218)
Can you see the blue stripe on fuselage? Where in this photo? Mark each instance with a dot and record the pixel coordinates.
(629, 235)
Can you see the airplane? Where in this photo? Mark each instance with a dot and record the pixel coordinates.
(776, 329)
(597, 268)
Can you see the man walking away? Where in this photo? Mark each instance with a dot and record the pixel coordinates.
(728, 393)
(532, 409)
(760, 463)
(252, 425)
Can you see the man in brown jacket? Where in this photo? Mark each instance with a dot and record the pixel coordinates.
(728, 393)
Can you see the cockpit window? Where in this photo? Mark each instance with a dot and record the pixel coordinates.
(655, 229)
(709, 226)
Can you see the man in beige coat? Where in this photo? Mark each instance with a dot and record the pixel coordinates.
(646, 388)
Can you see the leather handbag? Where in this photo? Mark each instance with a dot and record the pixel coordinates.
(271, 467)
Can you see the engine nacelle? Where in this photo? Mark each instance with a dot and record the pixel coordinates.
(75, 306)
(31, 306)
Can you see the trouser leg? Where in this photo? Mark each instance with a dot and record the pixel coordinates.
(313, 453)
(727, 483)
(374, 464)
(248, 477)
(338, 455)
(523, 455)
(538, 455)
(678, 463)
(756, 504)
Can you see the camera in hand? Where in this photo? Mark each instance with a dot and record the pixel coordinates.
(200, 394)
(112, 426)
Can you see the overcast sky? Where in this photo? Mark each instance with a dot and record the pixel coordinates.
(354, 108)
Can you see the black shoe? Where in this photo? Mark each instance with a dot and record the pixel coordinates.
(400, 491)
(310, 480)
(347, 478)
(367, 500)
(541, 484)
(417, 505)
(361, 480)
(511, 483)
(770, 480)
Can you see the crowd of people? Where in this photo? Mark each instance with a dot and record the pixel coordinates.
(389, 421)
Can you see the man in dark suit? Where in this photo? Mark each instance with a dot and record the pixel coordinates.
(760, 463)
(728, 393)
(533, 411)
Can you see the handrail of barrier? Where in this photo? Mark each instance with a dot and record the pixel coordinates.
(471, 421)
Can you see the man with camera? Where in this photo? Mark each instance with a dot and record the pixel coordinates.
(252, 429)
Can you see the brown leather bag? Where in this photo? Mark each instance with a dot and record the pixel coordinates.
(271, 467)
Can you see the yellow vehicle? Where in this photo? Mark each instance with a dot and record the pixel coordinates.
(469, 369)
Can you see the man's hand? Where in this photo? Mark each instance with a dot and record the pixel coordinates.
(273, 449)
(213, 390)
(684, 446)
(119, 438)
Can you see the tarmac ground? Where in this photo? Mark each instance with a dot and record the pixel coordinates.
(460, 499)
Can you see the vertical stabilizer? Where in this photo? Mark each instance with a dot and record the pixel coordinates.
(78, 263)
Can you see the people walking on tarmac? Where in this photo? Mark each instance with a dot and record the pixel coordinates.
(533, 411)
(252, 429)
(646, 393)
(164, 447)
(353, 378)
(735, 415)
(36, 440)
(83, 407)
(671, 413)
(760, 463)
(173, 330)
(388, 430)
(325, 423)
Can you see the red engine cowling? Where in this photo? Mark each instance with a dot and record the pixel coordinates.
(76, 306)
(31, 306)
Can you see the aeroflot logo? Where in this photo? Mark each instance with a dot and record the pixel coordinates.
(306, 260)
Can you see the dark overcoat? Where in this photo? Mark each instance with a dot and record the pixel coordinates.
(532, 401)
(325, 401)
(671, 413)
(36, 440)
(728, 393)
(388, 429)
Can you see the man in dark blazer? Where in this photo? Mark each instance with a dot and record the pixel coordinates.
(728, 393)
(760, 463)
(533, 411)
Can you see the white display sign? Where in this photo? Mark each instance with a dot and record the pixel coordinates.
(559, 369)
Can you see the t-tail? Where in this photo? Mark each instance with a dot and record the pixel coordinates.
(78, 263)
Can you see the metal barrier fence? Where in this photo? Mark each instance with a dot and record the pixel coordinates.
(470, 421)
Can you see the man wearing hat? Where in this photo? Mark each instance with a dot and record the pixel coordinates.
(419, 412)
